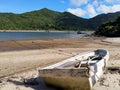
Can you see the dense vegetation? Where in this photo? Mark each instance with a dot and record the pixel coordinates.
(46, 19)
(111, 28)
(95, 22)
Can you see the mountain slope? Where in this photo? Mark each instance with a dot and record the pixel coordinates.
(48, 19)
(111, 29)
(95, 22)
(68, 21)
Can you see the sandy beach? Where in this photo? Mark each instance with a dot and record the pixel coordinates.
(20, 60)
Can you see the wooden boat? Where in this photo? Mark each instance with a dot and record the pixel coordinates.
(80, 72)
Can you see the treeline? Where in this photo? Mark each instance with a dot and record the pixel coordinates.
(36, 20)
(43, 19)
(46, 19)
(110, 29)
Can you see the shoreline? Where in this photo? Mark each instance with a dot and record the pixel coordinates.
(37, 31)
(46, 43)
(67, 31)
(38, 35)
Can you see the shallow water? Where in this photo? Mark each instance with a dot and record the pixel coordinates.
(4, 36)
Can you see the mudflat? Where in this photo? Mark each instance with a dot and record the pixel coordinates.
(21, 59)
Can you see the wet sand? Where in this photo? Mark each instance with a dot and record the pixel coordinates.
(20, 60)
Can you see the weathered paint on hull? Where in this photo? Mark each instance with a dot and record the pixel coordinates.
(68, 83)
(68, 79)
(64, 75)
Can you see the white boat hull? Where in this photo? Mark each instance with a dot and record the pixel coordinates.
(65, 75)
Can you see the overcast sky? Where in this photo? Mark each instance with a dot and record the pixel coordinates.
(81, 8)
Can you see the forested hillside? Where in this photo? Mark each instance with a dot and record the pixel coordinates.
(46, 19)
(111, 28)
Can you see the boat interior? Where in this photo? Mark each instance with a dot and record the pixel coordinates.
(75, 66)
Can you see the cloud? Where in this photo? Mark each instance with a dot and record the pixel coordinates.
(91, 8)
(108, 9)
(91, 11)
(95, 3)
(78, 12)
(78, 2)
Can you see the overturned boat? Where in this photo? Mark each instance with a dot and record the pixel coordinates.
(80, 72)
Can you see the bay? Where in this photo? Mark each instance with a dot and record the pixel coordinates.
(5, 36)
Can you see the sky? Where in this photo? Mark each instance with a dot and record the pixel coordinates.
(81, 8)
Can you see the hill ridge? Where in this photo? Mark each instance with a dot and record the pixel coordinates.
(49, 19)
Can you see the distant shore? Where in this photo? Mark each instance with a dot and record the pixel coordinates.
(84, 31)
(36, 31)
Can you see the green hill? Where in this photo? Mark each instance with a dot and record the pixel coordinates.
(111, 29)
(95, 22)
(68, 21)
(45, 19)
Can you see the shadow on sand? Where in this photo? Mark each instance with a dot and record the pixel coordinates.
(34, 83)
